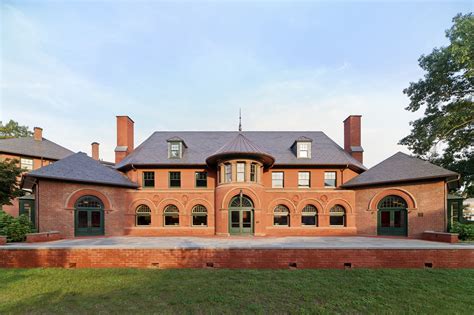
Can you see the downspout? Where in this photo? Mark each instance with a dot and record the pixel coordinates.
(446, 199)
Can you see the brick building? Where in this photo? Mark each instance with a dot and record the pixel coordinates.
(240, 183)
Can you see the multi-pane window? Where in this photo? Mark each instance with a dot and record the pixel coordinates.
(143, 215)
(240, 172)
(227, 173)
(303, 179)
(175, 179)
(337, 216)
(253, 172)
(304, 150)
(329, 179)
(201, 179)
(26, 164)
(171, 216)
(281, 215)
(309, 216)
(277, 180)
(199, 213)
(175, 150)
(149, 179)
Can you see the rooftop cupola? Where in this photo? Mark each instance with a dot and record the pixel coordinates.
(241, 147)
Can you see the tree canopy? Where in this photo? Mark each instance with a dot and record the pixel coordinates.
(445, 134)
(13, 130)
(9, 185)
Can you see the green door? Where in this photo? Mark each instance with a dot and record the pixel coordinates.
(27, 207)
(89, 217)
(392, 218)
(241, 216)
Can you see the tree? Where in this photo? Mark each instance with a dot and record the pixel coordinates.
(445, 134)
(13, 130)
(9, 185)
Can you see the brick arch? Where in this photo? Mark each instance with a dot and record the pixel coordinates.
(71, 200)
(200, 201)
(142, 201)
(281, 201)
(309, 201)
(246, 191)
(170, 201)
(341, 202)
(410, 200)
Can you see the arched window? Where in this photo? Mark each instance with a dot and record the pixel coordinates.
(199, 213)
(142, 215)
(241, 202)
(393, 202)
(309, 216)
(337, 216)
(281, 215)
(89, 202)
(171, 215)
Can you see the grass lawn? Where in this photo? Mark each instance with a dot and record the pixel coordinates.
(101, 291)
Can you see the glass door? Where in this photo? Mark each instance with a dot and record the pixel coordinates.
(240, 221)
(392, 222)
(89, 222)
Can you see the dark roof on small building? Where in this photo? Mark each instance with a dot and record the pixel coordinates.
(400, 167)
(28, 146)
(81, 168)
(241, 146)
(203, 144)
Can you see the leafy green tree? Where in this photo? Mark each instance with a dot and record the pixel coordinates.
(9, 184)
(445, 134)
(13, 130)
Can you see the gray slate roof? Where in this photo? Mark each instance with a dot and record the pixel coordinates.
(240, 144)
(28, 146)
(202, 144)
(400, 167)
(81, 168)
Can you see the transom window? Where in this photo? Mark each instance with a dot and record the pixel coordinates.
(228, 173)
(303, 179)
(393, 202)
(89, 202)
(199, 213)
(175, 150)
(175, 179)
(149, 179)
(304, 150)
(337, 216)
(171, 215)
(26, 164)
(309, 216)
(201, 179)
(143, 215)
(241, 202)
(253, 172)
(329, 179)
(281, 215)
(277, 179)
(240, 171)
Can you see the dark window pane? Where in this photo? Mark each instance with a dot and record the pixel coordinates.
(82, 219)
(175, 179)
(200, 220)
(280, 219)
(397, 219)
(95, 219)
(246, 219)
(201, 179)
(172, 219)
(385, 218)
(148, 179)
(336, 220)
(143, 219)
(235, 218)
(308, 220)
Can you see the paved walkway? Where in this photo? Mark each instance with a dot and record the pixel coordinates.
(357, 242)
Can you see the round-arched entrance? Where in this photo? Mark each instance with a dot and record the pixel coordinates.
(392, 216)
(88, 216)
(241, 215)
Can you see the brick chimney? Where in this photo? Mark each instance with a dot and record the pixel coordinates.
(124, 137)
(38, 134)
(95, 150)
(352, 142)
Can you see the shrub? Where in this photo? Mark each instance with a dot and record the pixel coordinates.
(465, 231)
(15, 229)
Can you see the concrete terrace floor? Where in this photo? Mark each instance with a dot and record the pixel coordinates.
(128, 242)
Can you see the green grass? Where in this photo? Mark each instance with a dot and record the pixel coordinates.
(357, 291)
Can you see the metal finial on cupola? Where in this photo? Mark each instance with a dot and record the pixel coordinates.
(240, 120)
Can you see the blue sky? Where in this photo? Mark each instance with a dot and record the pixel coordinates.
(71, 66)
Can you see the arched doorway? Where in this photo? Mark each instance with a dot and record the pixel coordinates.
(392, 216)
(89, 216)
(241, 215)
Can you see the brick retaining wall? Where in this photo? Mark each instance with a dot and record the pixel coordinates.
(237, 258)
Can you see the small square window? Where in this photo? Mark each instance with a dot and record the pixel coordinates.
(26, 164)
(303, 179)
(175, 179)
(201, 179)
(277, 180)
(149, 179)
(175, 150)
(329, 179)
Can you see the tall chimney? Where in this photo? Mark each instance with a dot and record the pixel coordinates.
(124, 137)
(95, 150)
(352, 141)
(38, 134)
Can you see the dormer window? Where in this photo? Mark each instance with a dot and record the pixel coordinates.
(304, 150)
(175, 148)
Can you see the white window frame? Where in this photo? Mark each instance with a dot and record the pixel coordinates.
(27, 164)
(304, 150)
(175, 146)
(227, 173)
(240, 171)
(276, 180)
(326, 177)
(302, 181)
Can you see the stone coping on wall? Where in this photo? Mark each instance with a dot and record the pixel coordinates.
(43, 237)
(342, 242)
(440, 237)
